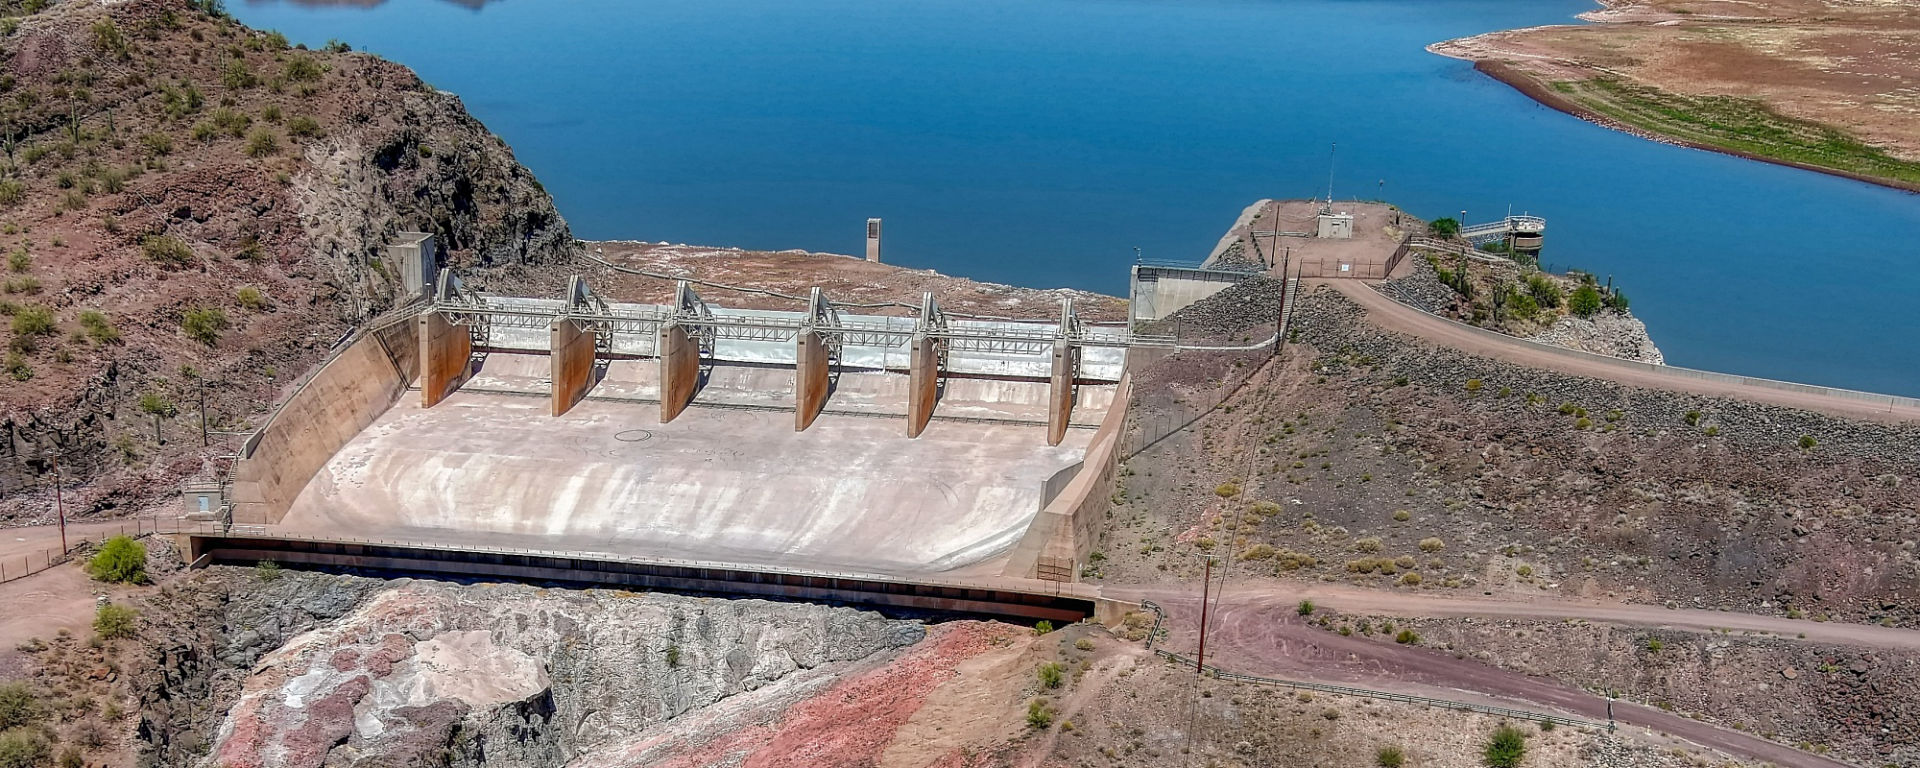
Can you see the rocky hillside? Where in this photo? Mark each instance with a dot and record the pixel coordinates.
(192, 209)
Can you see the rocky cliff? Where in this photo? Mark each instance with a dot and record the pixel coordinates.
(193, 212)
(429, 673)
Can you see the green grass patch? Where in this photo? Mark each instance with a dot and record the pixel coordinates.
(1735, 124)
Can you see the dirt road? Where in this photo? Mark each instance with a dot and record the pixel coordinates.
(1351, 599)
(1391, 315)
(52, 599)
(1257, 631)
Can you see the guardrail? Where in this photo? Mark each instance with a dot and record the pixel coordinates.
(1427, 701)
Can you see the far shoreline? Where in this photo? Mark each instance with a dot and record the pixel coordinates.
(1533, 89)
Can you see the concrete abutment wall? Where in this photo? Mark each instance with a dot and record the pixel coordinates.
(1064, 532)
(350, 390)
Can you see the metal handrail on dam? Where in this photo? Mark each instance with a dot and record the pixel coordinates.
(215, 543)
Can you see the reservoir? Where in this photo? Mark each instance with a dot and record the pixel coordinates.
(1040, 142)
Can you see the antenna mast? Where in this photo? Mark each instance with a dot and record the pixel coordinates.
(1331, 150)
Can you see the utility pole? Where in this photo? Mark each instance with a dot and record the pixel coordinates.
(59, 505)
(1206, 585)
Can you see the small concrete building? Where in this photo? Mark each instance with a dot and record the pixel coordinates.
(418, 259)
(1336, 226)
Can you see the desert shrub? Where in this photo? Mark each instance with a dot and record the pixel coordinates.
(1807, 442)
(72, 757)
(1289, 560)
(267, 570)
(1544, 291)
(16, 367)
(204, 132)
(18, 706)
(1258, 552)
(1039, 715)
(1083, 644)
(1368, 544)
(33, 320)
(97, 327)
(1432, 544)
(262, 143)
(1444, 227)
(204, 324)
(1305, 608)
(1226, 490)
(1524, 570)
(155, 404)
(24, 748)
(1410, 579)
(19, 260)
(107, 38)
(12, 191)
(1406, 636)
(158, 144)
(275, 41)
(75, 200)
(1042, 627)
(1405, 561)
(121, 560)
(1693, 418)
(1585, 301)
(1654, 645)
(1390, 757)
(231, 123)
(250, 297)
(1582, 423)
(238, 76)
(271, 113)
(166, 250)
(1049, 674)
(1474, 385)
(304, 127)
(114, 622)
(302, 68)
(1401, 515)
(1505, 748)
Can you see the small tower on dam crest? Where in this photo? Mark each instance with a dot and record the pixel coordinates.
(873, 240)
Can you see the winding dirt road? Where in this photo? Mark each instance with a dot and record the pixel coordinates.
(1394, 316)
(1257, 630)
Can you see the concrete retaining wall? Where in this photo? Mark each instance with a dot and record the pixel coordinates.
(1064, 532)
(350, 390)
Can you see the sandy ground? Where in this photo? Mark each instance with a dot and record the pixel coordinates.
(1260, 633)
(852, 493)
(50, 600)
(1852, 65)
(1391, 315)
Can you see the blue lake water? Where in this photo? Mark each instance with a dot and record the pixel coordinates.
(1039, 142)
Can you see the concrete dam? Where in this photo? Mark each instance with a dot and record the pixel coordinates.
(910, 449)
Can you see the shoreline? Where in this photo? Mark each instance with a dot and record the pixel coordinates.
(1510, 76)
